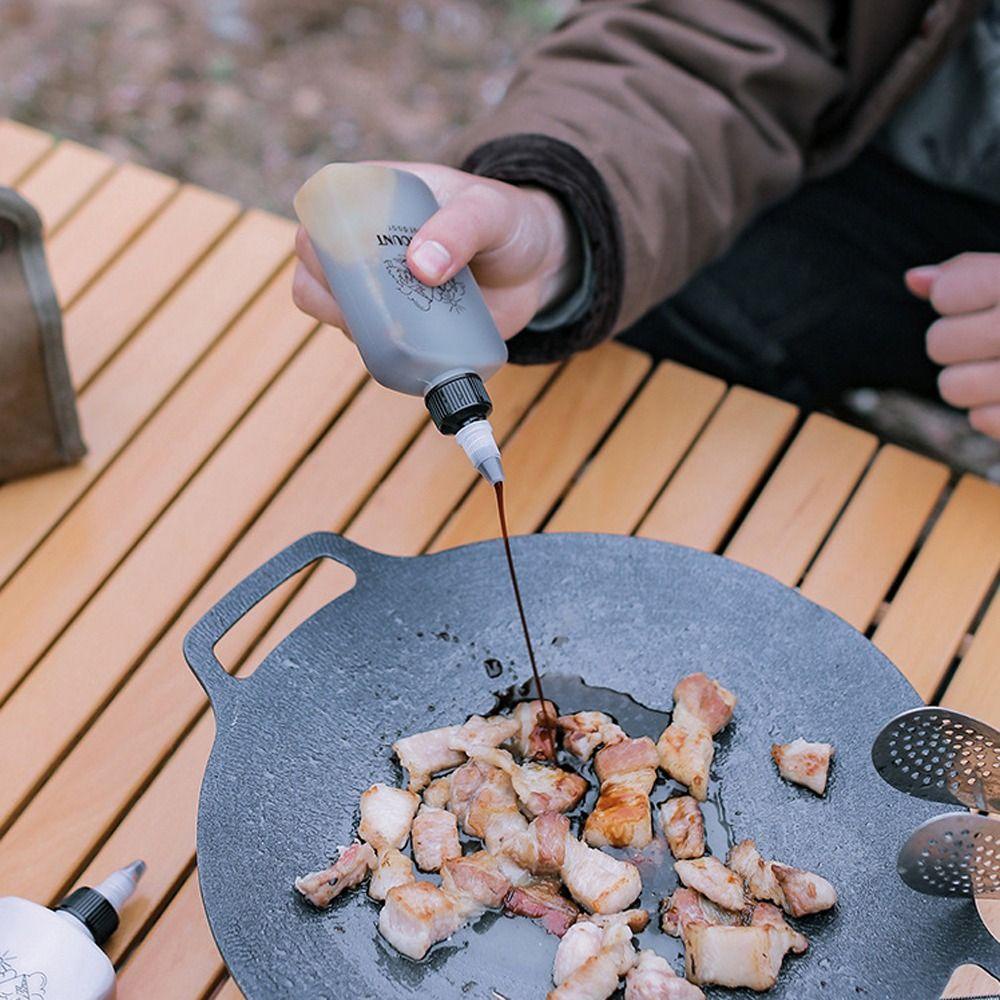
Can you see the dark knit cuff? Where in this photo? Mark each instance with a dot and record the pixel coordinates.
(560, 168)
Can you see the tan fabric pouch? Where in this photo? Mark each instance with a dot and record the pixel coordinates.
(38, 423)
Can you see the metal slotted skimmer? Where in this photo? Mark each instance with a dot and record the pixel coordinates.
(933, 753)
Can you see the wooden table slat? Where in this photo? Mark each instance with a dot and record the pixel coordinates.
(172, 962)
(229, 991)
(94, 784)
(159, 828)
(802, 499)
(131, 609)
(135, 283)
(727, 462)
(104, 225)
(945, 587)
(63, 180)
(618, 486)
(555, 438)
(874, 536)
(142, 374)
(21, 149)
(73, 560)
(975, 688)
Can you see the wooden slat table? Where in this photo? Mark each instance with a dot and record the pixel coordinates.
(223, 424)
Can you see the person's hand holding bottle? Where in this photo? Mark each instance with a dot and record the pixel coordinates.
(518, 240)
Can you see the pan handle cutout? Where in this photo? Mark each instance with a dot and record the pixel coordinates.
(207, 632)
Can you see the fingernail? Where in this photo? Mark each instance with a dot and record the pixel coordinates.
(432, 259)
(928, 272)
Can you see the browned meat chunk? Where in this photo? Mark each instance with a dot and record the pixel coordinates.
(542, 900)
(350, 869)
(684, 827)
(807, 764)
(435, 838)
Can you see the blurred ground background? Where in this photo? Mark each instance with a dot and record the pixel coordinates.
(249, 97)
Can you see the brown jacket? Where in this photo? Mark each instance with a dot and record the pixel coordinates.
(668, 124)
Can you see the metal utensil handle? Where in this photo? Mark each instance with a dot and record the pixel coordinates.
(201, 640)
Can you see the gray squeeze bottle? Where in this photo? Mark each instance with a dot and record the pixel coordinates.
(440, 343)
(55, 954)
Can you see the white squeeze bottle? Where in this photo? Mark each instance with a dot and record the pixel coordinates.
(55, 954)
(439, 343)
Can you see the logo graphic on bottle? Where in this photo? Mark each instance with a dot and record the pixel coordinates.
(423, 296)
(19, 986)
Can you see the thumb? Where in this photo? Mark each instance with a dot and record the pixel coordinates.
(477, 219)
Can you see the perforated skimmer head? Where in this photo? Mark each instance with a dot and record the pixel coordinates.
(957, 854)
(944, 756)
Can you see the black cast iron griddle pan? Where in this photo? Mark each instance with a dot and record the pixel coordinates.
(404, 650)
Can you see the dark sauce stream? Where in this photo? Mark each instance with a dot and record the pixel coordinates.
(550, 723)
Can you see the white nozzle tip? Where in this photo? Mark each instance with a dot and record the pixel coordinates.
(119, 886)
(491, 470)
(477, 441)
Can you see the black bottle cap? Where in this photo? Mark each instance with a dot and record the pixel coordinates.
(93, 911)
(458, 401)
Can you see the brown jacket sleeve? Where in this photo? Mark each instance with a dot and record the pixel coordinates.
(667, 125)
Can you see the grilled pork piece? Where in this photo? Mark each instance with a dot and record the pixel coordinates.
(597, 976)
(581, 942)
(350, 868)
(392, 868)
(699, 697)
(757, 874)
(417, 915)
(686, 907)
(796, 891)
(584, 732)
(480, 732)
(651, 978)
(702, 707)
(621, 817)
(806, 764)
(686, 752)
(475, 878)
(713, 879)
(541, 788)
(541, 900)
(684, 827)
(734, 956)
(424, 754)
(435, 838)
(492, 814)
(533, 739)
(438, 792)
(768, 915)
(597, 881)
(541, 848)
(804, 892)
(386, 816)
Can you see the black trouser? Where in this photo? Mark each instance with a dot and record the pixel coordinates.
(810, 300)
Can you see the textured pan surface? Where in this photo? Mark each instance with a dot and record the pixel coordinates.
(403, 651)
